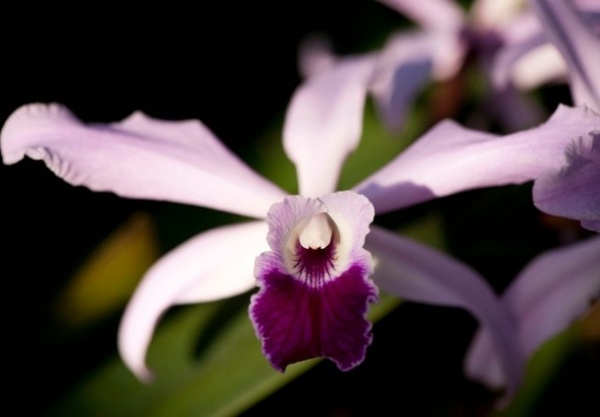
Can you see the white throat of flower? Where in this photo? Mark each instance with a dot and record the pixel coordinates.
(315, 251)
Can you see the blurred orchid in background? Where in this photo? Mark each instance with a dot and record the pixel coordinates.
(557, 37)
(477, 35)
(496, 32)
(574, 189)
(409, 60)
(504, 33)
(400, 70)
(549, 294)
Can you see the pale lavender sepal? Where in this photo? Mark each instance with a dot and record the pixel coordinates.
(312, 302)
(573, 189)
(325, 114)
(139, 157)
(577, 43)
(443, 22)
(528, 64)
(556, 288)
(213, 265)
(422, 274)
(526, 59)
(401, 69)
(450, 158)
(591, 225)
(405, 65)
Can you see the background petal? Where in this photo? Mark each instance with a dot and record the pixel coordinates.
(546, 297)
(421, 274)
(404, 67)
(528, 63)
(573, 189)
(315, 55)
(553, 290)
(210, 266)
(450, 158)
(139, 157)
(577, 44)
(324, 123)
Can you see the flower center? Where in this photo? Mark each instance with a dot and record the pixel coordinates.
(316, 232)
(313, 249)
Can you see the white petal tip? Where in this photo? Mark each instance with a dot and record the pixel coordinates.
(143, 374)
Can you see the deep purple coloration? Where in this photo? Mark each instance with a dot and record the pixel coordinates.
(297, 321)
(315, 264)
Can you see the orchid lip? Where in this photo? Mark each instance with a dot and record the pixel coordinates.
(314, 286)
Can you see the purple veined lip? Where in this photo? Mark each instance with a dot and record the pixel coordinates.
(314, 285)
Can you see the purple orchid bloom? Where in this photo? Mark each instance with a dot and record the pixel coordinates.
(555, 39)
(574, 189)
(549, 294)
(312, 269)
(480, 32)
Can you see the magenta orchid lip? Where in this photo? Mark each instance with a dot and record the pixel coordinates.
(314, 283)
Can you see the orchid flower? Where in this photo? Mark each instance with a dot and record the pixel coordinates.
(549, 294)
(404, 65)
(408, 60)
(436, 51)
(508, 25)
(574, 189)
(544, 48)
(304, 252)
(479, 33)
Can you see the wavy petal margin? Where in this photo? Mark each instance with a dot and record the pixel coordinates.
(450, 158)
(573, 189)
(139, 157)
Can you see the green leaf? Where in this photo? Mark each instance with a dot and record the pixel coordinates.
(105, 280)
(227, 376)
